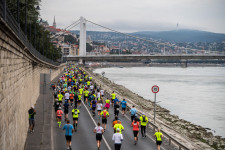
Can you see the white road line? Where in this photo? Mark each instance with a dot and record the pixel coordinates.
(107, 144)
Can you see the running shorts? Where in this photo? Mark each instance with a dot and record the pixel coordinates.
(60, 117)
(104, 121)
(135, 133)
(66, 111)
(107, 105)
(98, 136)
(68, 138)
(75, 119)
(158, 142)
(93, 108)
(124, 109)
(31, 122)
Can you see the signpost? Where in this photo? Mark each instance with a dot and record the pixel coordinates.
(155, 89)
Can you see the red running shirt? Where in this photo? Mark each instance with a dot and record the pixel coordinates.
(135, 126)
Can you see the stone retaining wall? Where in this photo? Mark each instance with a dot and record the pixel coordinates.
(19, 87)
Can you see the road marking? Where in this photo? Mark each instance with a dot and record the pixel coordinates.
(96, 125)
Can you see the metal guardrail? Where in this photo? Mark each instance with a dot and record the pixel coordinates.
(6, 15)
(169, 137)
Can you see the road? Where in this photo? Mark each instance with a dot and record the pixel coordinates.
(84, 138)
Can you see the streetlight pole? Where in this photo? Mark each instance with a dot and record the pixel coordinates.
(26, 17)
(4, 9)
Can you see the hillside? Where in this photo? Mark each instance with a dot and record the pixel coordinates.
(183, 36)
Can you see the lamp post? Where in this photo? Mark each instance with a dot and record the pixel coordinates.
(26, 17)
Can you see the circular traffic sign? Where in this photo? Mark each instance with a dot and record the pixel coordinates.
(155, 89)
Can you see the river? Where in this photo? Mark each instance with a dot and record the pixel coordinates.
(196, 94)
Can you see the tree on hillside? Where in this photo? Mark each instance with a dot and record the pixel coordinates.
(88, 47)
(36, 33)
(70, 39)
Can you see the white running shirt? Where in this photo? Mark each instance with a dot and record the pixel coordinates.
(67, 96)
(117, 137)
(99, 129)
(99, 106)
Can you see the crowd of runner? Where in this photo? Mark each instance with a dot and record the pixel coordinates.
(75, 86)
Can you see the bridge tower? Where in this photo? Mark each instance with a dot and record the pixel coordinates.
(82, 36)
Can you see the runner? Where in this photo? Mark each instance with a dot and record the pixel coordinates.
(159, 137)
(90, 98)
(116, 109)
(114, 122)
(71, 98)
(67, 96)
(99, 131)
(31, 113)
(102, 92)
(115, 101)
(75, 113)
(107, 104)
(60, 97)
(104, 115)
(113, 96)
(133, 112)
(93, 103)
(117, 138)
(56, 105)
(59, 116)
(118, 125)
(66, 110)
(99, 108)
(144, 120)
(124, 106)
(86, 93)
(75, 99)
(68, 134)
(98, 94)
(135, 125)
(91, 87)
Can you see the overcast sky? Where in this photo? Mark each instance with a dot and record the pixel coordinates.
(139, 15)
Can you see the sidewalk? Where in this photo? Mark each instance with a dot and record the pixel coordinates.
(42, 138)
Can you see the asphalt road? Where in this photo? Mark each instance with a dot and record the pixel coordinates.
(84, 138)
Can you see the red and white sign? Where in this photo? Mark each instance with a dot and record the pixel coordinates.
(155, 89)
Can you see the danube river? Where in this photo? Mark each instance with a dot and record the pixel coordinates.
(196, 94)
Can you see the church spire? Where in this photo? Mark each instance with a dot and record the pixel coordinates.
(54, 23)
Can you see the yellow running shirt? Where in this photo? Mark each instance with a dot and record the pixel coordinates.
(158, 136)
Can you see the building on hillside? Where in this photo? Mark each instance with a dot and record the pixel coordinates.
(66, 49)
(74, 49)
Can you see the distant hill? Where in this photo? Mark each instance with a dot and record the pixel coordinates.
(183, 36)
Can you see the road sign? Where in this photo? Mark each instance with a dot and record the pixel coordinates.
(155, 89)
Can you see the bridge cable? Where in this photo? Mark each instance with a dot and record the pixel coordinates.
(68, 30)
(76, 23)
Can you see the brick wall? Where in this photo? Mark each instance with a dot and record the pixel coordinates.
(19, 88)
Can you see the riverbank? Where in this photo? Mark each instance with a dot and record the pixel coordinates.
(193, 136)
(141, 64)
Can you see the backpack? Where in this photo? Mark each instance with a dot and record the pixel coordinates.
(144, 119)
(104, 114)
